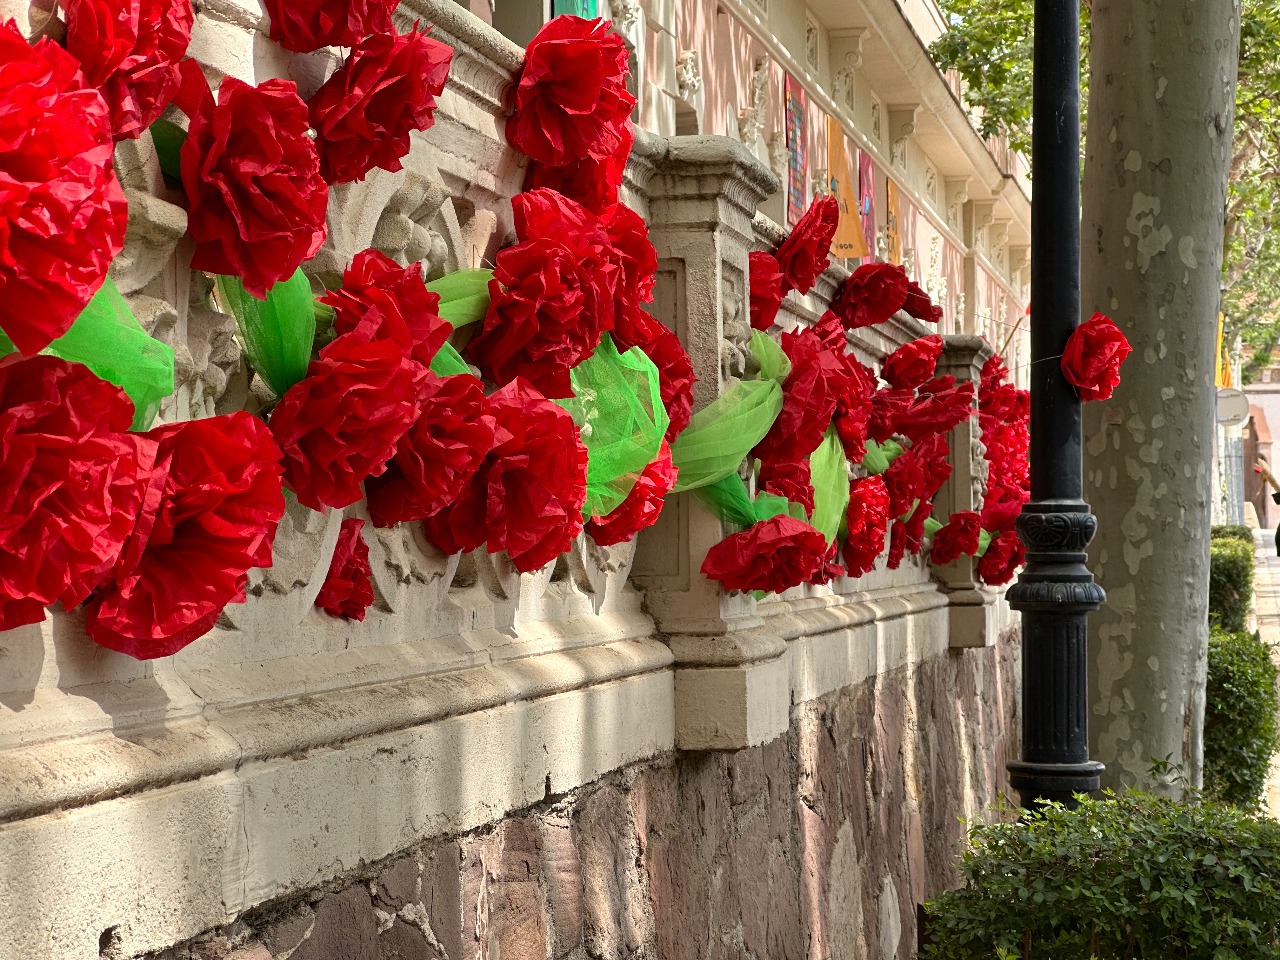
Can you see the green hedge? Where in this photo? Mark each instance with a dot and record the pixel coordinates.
(1230, 583)
(1231, 532)
(1241, 732)
(1131, 877)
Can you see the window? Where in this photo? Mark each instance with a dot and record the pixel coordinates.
(519, 20)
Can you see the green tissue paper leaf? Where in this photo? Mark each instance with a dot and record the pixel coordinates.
(464, 296)
(278, 332)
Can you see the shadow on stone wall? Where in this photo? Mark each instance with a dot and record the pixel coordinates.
(816, 846)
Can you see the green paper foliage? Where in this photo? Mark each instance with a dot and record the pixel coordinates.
(729, 500)
(721, 434)
(830, 479)
(108, 339)
(168, 138)
(617, 404)
(447, 362)
(879, 456)
(464, 296)
(278, 332)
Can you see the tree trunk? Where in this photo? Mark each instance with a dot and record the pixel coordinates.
(1161, 102)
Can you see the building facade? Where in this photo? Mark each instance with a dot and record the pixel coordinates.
(609, 757)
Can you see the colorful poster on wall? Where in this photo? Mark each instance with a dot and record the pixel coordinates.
(867, 199)
(576, 8)
(849, 242)
(797, 152)
(892, 223)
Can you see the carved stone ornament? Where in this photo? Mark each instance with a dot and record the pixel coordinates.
(751, 120)
(688, 75)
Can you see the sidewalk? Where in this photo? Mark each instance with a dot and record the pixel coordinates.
(1266, 589)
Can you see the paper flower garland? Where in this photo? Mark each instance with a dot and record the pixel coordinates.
(806, 252)
(129, 49)
(64, 212)
(347, 590)
(871, 295)
(1091, 361)
(306, 25)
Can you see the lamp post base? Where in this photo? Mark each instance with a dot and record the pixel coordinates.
(1059, 782)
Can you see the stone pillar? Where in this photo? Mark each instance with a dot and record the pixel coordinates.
(972, 607)
(732, 686)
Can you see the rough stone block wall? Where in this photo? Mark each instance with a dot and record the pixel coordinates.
(815, 846)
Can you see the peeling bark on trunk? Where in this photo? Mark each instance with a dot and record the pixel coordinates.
(1161, 102)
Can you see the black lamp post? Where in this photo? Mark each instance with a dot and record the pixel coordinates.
(1055, 592)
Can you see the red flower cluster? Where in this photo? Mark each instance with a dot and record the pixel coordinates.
(256, 200)
(303, 27)
(766, 289)
(571, 102)
(1005, 554)
(792, 479)
(365, 112)
(381, 300)
(64, 215)
(957, 538)
(1003, 415)
(1091, 361)
(912, 364)
(129, 49)
(643, 505)
(343, 422)
(347, 591)
(872, 294)
(772, 555)
(675, 369)
(819, 377)
(211, 514)
(806, 252)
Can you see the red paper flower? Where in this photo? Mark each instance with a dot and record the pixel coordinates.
(211, 515)
(917, 474)
(1005, 554)
(459, 527)
(999, 515)
(853, 409)
(936, 413)
(306, 25)
(867, 519)
(438, 457)
(912, 364)
(913, 527)
(381, 300)
(766, 289)
(633, 253)
(129, 49)
(571, 102)
(72, 484)
(872, 294)
(365, 112)
(897, 545)
(887, 406)
(805, 253)
(957, 538)
(792, 479)
(348, 588)
(994, 373)
(830, 569)
(642, 507)
(772, 555)
(1092, 358)
(817, 380)
(62, 214)
(831, 332)
(637, 328)
(919, 305)
(342, 422)
(593, 183)
(256, 201)
(536, 478)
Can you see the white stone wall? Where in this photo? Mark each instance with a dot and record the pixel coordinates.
(144, 803)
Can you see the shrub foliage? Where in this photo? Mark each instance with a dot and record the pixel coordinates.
(1230, 531)
(1137, 876)
(1230, 583)
(1240, 728)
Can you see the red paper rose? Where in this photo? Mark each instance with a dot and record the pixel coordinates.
(897, 545)
(792, 479)
(999, 515)
(365, 112)
(72, 484)
(306, 25)
(643, 505)
(1092, 358)
(830, 569)
(913, 527)
(571, 102)
(536, 478)
(1005, 554)
(438, 457)
(919, 305)
(867, 519)
(348, 588)
(912, 364)
(459, 527)
(129, 49)
(211, 515)
(994, 373)
(886, 407)
(342, 422)
(772, 555)
(872, 294)
(832, 334)
(675, 370)
(633, 253)
(381, 300)
(817, 380)
(957, 538)
(806, 252)
(256, 200)
(766, 289)
(62, 214)
(594, 183)
(853, 409)
(936, 413)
